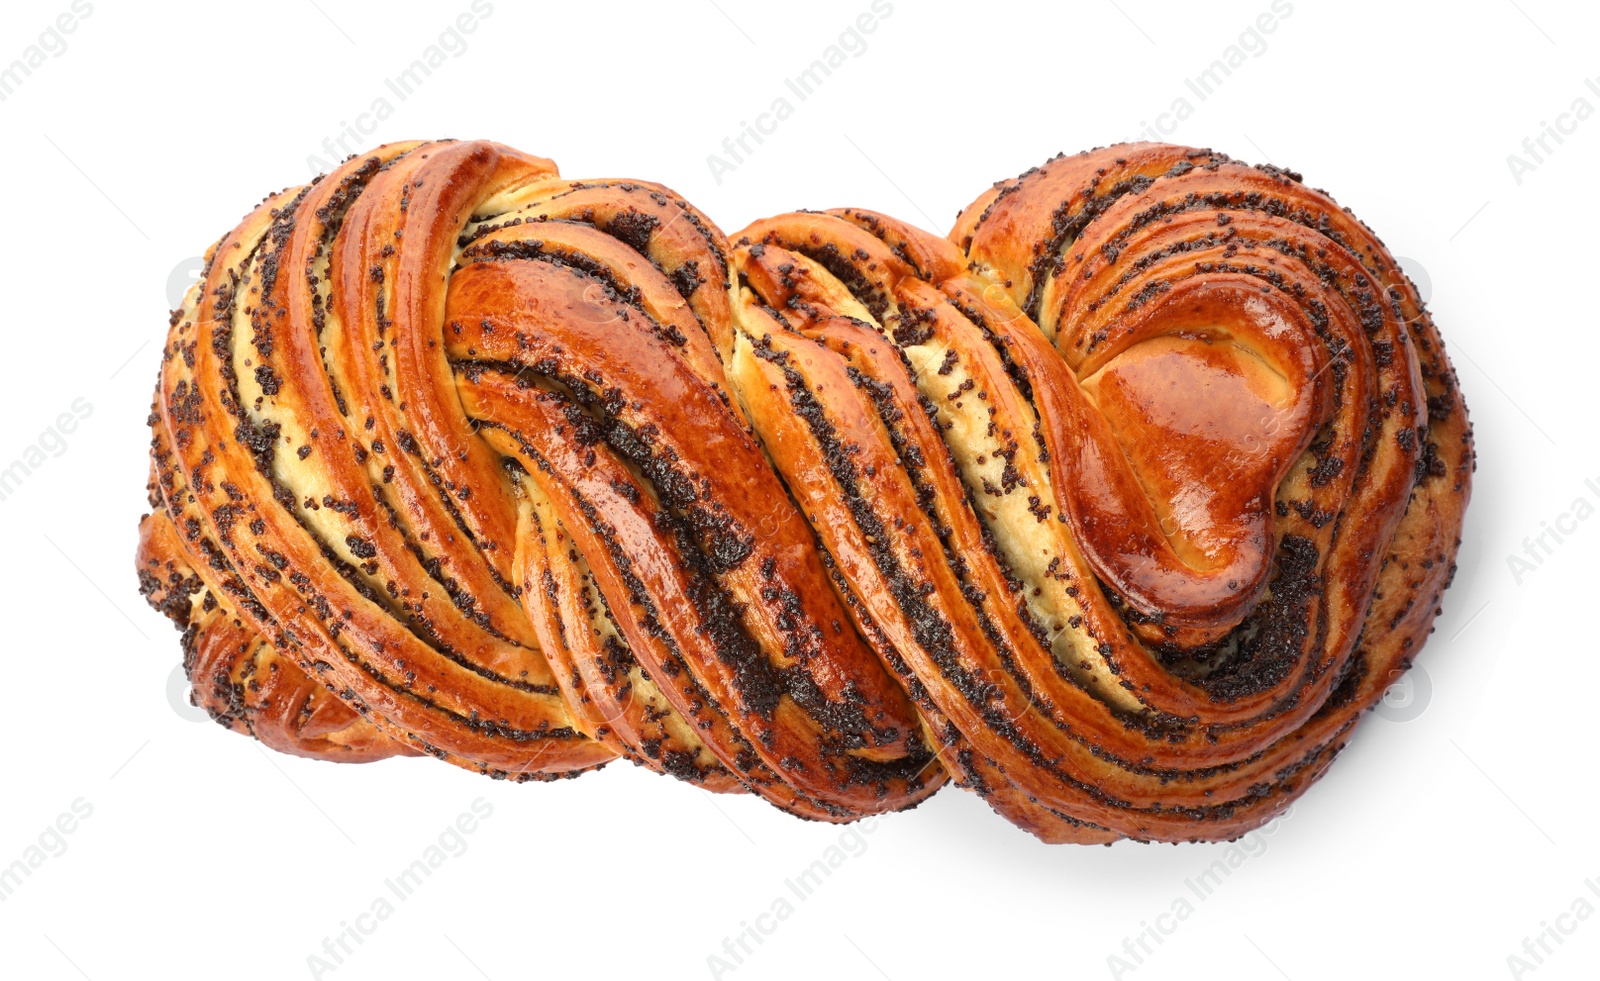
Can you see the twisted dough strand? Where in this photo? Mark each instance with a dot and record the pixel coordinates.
(1120, 506)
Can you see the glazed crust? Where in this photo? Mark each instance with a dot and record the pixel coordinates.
(1120, 505)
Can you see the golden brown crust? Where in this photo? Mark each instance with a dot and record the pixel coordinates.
(1119, 506)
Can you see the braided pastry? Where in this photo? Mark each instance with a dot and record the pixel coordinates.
(1120, 506)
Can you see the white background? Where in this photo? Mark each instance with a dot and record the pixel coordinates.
(1456, 824)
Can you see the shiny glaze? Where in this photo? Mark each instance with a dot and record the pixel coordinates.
(1119, 506)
